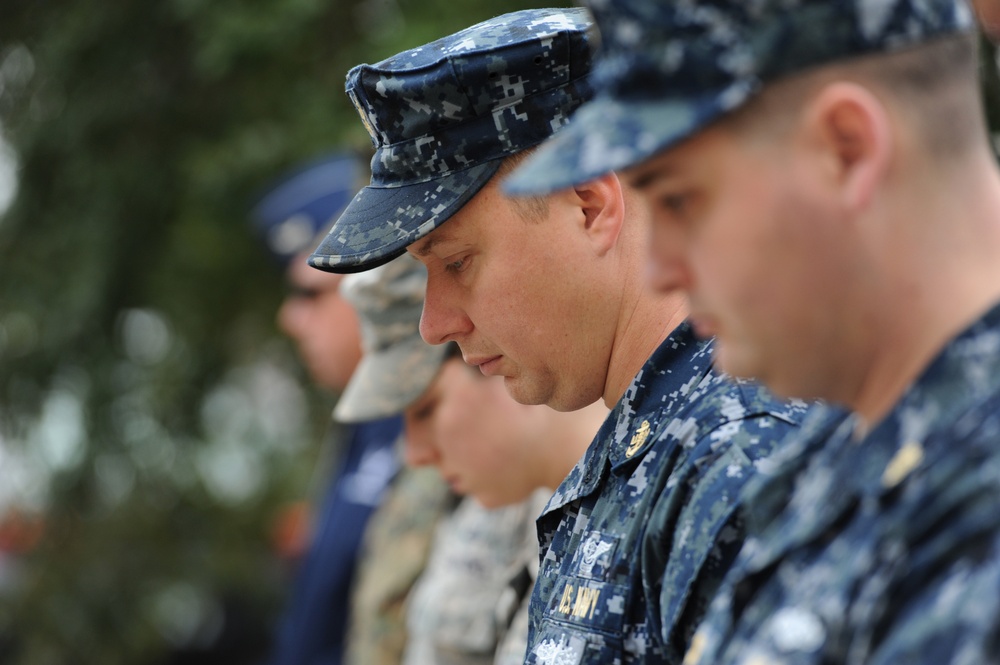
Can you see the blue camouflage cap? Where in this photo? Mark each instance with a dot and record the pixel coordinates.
(668, 68)
(443, 116)
(300, 205)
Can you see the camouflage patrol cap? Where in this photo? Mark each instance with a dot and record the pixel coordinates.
(667, 69)
(443, 116)
(397, 365)
(290, 216)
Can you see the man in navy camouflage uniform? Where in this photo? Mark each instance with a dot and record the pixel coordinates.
(550, 293)
(843, 143)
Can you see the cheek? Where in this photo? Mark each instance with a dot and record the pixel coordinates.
(335, 308)
(291, 317)
(667, 241)
(506, 309)
(722, 268)
(454, 429)
(340, 323)
(777, 265)
(475, 426)
(737, 248)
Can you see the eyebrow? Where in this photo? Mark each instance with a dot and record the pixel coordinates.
(427, 244)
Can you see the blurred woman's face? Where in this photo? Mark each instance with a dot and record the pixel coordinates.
(477, 436)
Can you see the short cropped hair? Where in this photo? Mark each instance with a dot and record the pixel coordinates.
(935, 84)
(529, 208)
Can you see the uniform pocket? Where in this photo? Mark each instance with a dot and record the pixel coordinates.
(558, 643)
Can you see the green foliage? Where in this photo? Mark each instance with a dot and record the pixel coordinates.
(138, 356)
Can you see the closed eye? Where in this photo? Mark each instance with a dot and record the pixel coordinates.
(457, 265)
(423, 411)
(675, 203)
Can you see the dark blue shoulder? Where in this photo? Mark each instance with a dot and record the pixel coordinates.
(724, 399)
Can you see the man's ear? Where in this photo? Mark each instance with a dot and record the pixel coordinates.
(852, 130)
(602, 211)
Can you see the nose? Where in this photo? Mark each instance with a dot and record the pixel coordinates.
(665, 276)
(443, 318)
(667, 269)
(418, 449)
(291, 317)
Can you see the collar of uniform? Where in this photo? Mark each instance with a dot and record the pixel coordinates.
(782, 511)
(839, 473)
(585, 476)
(962, 375)
(657, 395)
(675, 368)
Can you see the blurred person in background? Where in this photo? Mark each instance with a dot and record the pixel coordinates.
(470, 605)
(325, 330)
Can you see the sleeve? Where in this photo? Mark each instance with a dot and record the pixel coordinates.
(694, 534)
(941, 603)
(952, 621)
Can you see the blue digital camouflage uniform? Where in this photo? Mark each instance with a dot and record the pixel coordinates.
(637, 538)
(884, 550)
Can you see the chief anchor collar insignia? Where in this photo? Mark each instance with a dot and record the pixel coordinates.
(638, 439)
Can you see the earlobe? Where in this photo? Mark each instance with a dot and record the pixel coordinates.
(602, 204)
(854, 131)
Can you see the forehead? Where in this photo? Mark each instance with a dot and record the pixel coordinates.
(444, 234)
(483, 213)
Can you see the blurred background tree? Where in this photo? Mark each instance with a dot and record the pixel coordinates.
(151, 419)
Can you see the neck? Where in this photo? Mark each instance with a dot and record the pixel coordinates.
(646, 321)
(567, 437)
(943, 273)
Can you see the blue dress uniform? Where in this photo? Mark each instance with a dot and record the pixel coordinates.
(313, 630)
(638, 537)
(884, 550)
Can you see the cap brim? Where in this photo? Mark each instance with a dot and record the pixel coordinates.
(380, 222)
(387, 381)
(609, 134)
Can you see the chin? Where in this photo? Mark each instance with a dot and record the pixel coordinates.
(783, 386)
(730, 362)
(789, 387)
(491, 502)
(524, 393)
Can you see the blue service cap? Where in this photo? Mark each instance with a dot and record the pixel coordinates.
(669, 68)
(303, 204)
(443, 116)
